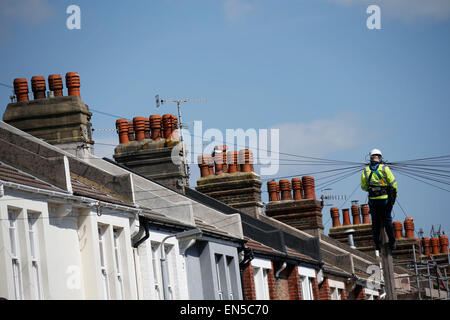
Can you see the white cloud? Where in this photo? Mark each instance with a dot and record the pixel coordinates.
(235, 9)
(408, 10)
(321, 137)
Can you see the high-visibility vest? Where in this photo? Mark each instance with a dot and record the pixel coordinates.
(382, 177)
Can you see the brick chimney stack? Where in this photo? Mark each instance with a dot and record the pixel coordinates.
(301, 211)
(59, 120)
(239, 186)
(148, 149)
(362, 232)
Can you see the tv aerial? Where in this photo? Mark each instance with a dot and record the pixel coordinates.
(159, 103)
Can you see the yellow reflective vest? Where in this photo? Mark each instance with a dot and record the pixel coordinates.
(383, 178)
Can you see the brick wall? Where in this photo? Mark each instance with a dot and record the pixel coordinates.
(287, 286)
(294, 284)
(271, 280)
(248, 282)
(324, 290)
(315, 288)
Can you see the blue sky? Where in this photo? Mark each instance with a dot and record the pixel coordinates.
(311, 68)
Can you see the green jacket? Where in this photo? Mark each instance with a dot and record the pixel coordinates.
(387, 179)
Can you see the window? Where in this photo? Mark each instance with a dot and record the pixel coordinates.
(103, 266)
(171, 270)
(157, 271)
(15, 254)
(225, 274)
(228, 275)
(306, 286)
(336, 294)
(118, 261)
(306, 277)
(261, 269)
(336, 289)
(219, 271)
(34, 247)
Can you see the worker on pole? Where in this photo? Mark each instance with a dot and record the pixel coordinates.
(378, 180)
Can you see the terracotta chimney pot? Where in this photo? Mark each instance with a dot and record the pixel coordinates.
(167, 126)
(21, 89)
(55, 84)
(426, 245)
(139, 128)
(155, 126)
(122, 130)
(285, 187)
(147, 128)
(204, 166)
(346, 217)
(443, 243)
(398, 229)
(272, 189)
(409, 228)
(356, 215)
(73, 84)
(435, 248)
(334, 212)
(244, 160)
(308, 187)
(38, 87)
(365, 213)
(297, 188)
(131, 131)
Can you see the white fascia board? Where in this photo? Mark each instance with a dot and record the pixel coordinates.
(306, 272)
(336, 284)
(261, 263)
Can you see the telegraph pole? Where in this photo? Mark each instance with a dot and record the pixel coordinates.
(388, 265)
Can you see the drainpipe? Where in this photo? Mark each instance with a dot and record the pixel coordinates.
(195, 233)
(143, 226)
(245, 256)
(283, 266)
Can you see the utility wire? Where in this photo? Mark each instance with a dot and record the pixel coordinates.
(6, 85)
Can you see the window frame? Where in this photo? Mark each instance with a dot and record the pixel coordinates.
(305, 275)
(15, 253)
(261, 269)
(102, 233)
(33, 235)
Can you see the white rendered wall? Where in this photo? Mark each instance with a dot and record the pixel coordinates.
(146, 280)
(68, 248)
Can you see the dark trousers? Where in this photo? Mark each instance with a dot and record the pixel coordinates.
(380, 210)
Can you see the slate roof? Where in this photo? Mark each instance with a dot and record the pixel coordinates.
(11, 174)
(83, 189)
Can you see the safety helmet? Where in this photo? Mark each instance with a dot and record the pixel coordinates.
(375, 152)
